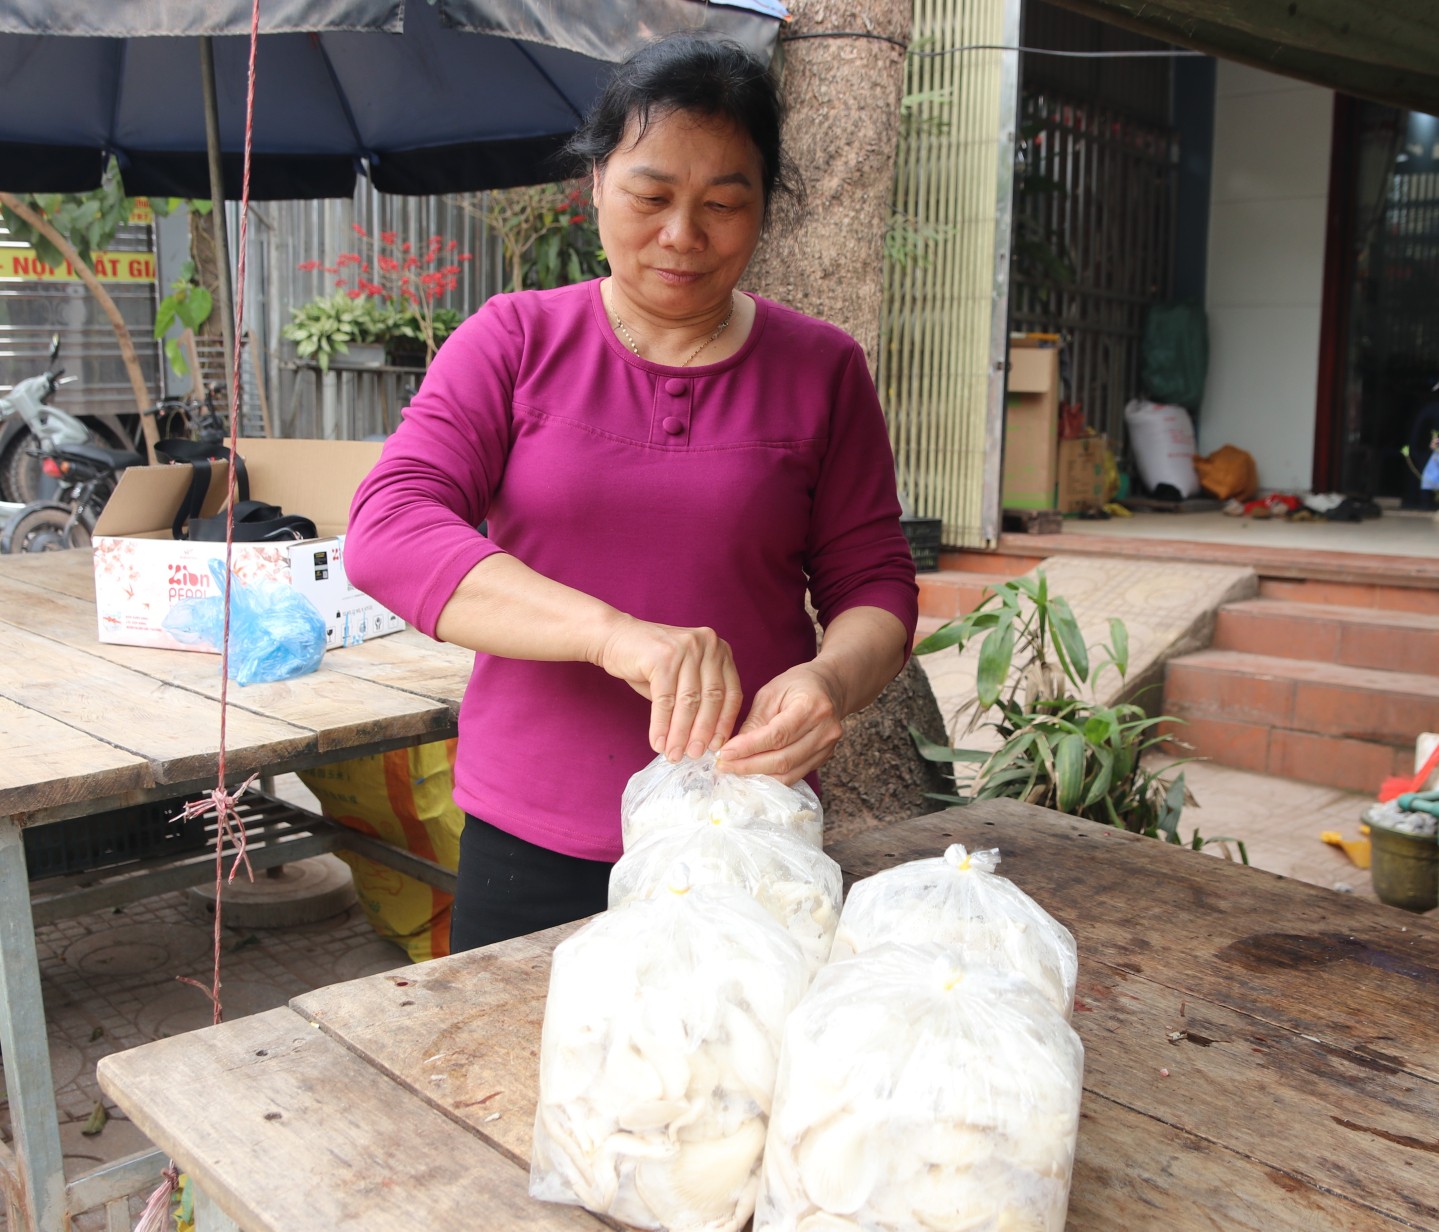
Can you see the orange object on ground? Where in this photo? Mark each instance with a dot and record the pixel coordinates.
(1229, 473)
(1357, 849)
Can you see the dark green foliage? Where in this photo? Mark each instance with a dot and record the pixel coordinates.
(1056, 749)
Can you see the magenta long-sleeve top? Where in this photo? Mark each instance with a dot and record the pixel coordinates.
(713, 495)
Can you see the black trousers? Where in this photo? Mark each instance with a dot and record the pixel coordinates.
(508, 887)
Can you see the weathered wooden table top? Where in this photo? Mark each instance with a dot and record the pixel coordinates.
(85, 726)
(1302, 1096)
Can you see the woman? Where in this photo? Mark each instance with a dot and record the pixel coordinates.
(665, 464)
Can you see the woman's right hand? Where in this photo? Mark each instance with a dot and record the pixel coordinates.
(688, 676)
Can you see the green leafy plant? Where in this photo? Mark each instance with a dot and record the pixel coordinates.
(324, 328)
(406, 336)
(188, 304)
(1058, 749)
(87, 222)
(401, 287)
(547, 232)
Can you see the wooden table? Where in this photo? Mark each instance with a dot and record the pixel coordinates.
(85, 727)
(1259, 1054)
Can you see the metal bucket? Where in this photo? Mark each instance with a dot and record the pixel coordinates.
(1404, 868)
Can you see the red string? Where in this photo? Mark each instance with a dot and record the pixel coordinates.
(229, 826)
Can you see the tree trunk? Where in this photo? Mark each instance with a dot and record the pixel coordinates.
(143, 400)
(843, 99)
(207, 267)
(843, 128)
(876, 776)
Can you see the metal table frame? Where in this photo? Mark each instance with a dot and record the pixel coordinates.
(36, 1192)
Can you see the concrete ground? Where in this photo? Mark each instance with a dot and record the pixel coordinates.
(1399, 532)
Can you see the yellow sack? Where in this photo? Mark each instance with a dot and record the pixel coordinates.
(403, 798)
(1111, 476)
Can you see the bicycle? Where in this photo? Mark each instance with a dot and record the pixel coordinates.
(190, 419)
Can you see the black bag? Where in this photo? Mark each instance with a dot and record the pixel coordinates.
(255, 521)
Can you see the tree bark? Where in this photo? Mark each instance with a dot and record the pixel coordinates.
(843, 97)
(143, 399)
(842, 131)
(207, 267)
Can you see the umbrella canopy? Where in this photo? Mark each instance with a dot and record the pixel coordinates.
(423, 96)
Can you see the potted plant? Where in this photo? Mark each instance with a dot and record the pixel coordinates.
(1058, 749)
(402, 290)
(338, 325)
(407, 341)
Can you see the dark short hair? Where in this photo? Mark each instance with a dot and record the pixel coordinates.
(700, 74)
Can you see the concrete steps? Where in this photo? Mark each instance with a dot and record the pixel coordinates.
(1354, 593)
(1332, 693)
(962, 582)
(1397, 641)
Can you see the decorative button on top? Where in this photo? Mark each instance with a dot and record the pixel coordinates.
(676, 387)
(672, 425)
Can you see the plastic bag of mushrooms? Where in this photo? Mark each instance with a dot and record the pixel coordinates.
(695, 1070)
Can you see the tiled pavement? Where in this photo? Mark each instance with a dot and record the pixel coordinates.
(111, 980)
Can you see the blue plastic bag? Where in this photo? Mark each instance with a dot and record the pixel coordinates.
(1429, 480)
(275, 632)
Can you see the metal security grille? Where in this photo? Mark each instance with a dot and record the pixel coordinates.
(1094, 207)
(946, 266)
(34, 309)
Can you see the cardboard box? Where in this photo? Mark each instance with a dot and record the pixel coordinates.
(1081, 474)
(142, 572)
(1031, 427)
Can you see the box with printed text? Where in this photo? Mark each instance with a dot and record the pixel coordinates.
(142, 572)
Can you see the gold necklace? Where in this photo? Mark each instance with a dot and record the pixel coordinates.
(635, 346)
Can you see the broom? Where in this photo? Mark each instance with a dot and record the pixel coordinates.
(1396, 786)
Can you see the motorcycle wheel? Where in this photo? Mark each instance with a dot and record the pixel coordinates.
(42, 528)
(20, 473)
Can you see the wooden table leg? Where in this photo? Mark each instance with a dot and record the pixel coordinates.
(39, 1162)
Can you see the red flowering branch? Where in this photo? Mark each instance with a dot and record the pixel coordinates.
(411, 284)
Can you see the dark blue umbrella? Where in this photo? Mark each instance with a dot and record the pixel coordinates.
(423, 96)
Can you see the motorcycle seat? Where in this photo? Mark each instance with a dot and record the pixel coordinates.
(102, 456)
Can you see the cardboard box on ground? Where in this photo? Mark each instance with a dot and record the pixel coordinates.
(142, 571)
(1031, 426)
(1081, 474)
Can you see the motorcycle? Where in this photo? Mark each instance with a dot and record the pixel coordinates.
(84, 472)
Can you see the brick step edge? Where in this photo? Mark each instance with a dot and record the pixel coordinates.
(1370, 639)
(948, 594)
(1373, 595)
(1278, 752)
(1364, 706)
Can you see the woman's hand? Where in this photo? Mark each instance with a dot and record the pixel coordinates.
(689, 677)
(792, 727)
(798, 717)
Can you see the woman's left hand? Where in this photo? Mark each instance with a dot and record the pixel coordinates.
(792, 728)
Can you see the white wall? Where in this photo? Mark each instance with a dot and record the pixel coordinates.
(1265, 280)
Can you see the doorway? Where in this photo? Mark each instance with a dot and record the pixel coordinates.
(1381, 393)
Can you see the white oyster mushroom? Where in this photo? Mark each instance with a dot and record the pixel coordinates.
(796, 883)
(918, 1094)
(694, 791)
(658, 1059)
(959, 901)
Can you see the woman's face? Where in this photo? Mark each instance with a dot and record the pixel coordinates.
(680, 212)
